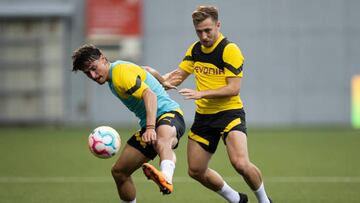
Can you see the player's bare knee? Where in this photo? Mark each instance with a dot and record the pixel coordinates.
(240, 165)
(163, 143)
(159, 146)
(118, 174)
(115, 172)
(195, 173)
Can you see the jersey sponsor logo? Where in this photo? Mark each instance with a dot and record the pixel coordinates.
(208, 70)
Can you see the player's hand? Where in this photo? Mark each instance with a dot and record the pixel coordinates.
(190, 94)
(171, 79)
(149, 136)
(168, 86)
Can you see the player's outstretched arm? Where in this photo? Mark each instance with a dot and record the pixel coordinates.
(231, 89)
(176, 77)
(160, 78)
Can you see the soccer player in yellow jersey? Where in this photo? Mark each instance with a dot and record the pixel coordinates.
(160, 119)
(218, 68)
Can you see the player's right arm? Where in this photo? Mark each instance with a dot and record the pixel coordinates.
(160, 78)
(231, 89)
(175, 77)
(186, 67)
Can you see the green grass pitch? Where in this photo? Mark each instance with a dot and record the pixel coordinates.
(54, 165)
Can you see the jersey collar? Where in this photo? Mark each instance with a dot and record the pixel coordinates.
(207, 50)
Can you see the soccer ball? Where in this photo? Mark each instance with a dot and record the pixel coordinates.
(104, 142)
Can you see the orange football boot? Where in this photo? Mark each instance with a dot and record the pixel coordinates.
(158, 177)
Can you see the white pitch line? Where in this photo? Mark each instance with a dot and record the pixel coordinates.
(182, 179)
(315, 179)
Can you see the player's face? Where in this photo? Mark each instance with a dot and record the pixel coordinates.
(208, 32)
(99, 70)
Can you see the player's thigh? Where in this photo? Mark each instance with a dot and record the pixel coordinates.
(166, 131)
(167, 134)
(198, 157)
(170, 127)
(129, 160)
(236, 146)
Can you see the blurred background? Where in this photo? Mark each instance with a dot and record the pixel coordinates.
(301, 57)
(301, 91)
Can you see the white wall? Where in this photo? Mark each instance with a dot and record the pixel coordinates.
(299, 55)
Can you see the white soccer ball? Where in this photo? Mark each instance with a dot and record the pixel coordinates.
(104, 142)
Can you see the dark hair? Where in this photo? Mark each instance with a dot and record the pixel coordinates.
(84, 56)
(203, 12)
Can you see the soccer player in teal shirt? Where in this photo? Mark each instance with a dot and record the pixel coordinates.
(160, 119)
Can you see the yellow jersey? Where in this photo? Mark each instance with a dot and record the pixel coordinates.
(128, 82)
(211, 66)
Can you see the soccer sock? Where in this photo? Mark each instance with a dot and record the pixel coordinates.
(167, 167)
(229, 194)
(133, 201)
(261, 194)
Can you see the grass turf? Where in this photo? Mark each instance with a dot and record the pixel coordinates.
(298, 165)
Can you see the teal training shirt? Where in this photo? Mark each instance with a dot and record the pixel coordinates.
(128, 81)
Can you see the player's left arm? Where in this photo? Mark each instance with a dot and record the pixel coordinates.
(130, 80)
(232, 88)
(150, 102)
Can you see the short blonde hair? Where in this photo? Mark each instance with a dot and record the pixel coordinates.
(203, 12)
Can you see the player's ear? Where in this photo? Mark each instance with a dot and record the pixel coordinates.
(103, 58)
(218, 24)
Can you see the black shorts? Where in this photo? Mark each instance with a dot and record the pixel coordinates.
(172, 118)
(208, 128)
